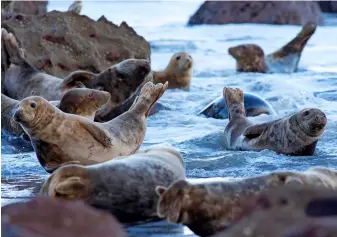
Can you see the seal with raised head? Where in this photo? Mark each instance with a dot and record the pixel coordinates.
(254, 106)
(178, 72)
(58, 137)
(23, 80)
(124, 186)
(296, 135)
(251, 58)
(209, 206)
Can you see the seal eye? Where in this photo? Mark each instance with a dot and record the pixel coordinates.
(178, 57)
(306, 113)
(33, 105)
(91, 95)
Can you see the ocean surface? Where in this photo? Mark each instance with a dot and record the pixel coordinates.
(198, 138)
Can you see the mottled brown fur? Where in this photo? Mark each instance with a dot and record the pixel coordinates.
(22, 79)
(294, 135)
(211, 206)
(208, 207)
(283, 209)
(59, 137)
(251, 58)
(178, 72)
(125, 186)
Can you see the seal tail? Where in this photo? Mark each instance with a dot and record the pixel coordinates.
(296, 45)
(234, 102)
(11, 46)
(148, 96)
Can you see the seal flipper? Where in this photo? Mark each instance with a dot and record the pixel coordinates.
(286, 59)
(255, 131)
(98, 133)
(76, 78)
(12, 48)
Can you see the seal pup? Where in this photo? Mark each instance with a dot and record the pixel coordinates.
(251, 58)
(279, 210)
(254, 106)
(210, 206)
(23, 80)
(76, 6)
(295, 135)
(178, 72)
(58, 137)
(124, 186)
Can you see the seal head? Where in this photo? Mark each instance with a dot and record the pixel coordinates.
(311, 121)
(178, 72)
(34, 111)
(84, 102)
(249, 58)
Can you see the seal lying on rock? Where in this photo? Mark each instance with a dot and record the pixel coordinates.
(250, 57)
(58, 137)
(294, 135)
(280, 211)
(178, 72)
(23, 80)
(254, 106)
(211, 206)
(124, 186)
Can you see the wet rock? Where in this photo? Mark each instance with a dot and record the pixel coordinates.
(11, 144)
(48, 217)
(61, 42)
(328, 6)
(288, 211)
(25, 7)
(266, 12)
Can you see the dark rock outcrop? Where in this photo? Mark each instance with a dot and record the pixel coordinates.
(328, 6)
(61, 42)
(25, 7)
(267, 12)
(49, 217)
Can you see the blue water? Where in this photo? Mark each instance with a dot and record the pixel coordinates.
(200, 139)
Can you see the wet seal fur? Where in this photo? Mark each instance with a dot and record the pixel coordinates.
(254, 106)
(251, 58)
(80, 101)
(124, 186)
(279, 211)
(23, 80)
(178, 72)
(295, 135)
(58, 137)
(209, 207)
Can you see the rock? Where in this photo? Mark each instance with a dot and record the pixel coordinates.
(60, 42)
(328, 6)
(49, 217)
(25, 7)
(266, 12)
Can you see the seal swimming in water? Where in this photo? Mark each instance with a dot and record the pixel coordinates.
(124, 186)
(251, 58)
(254, 106)
(210, 206)
(295, 135)
(22, 79)
(58, 137)
(178, 72)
